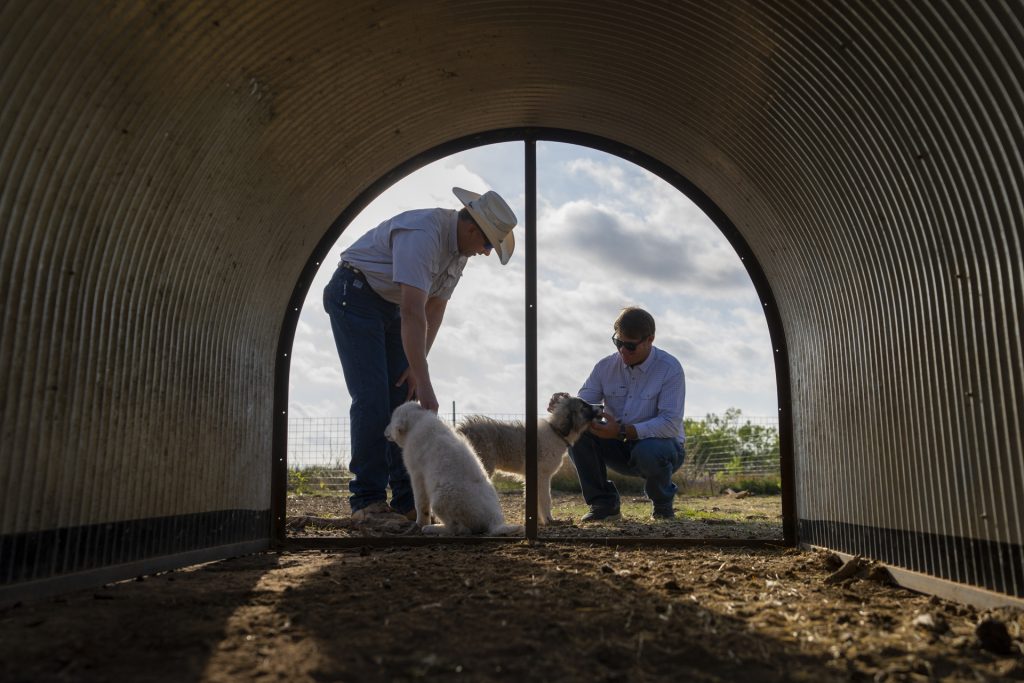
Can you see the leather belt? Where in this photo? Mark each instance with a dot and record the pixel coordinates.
(360, 274)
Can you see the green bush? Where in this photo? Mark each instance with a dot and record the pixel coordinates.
(762, 485)
(721, 451)
(317, 480)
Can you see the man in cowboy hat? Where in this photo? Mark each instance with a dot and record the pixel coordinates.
(386, 302)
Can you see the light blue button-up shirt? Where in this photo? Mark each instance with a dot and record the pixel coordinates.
(649, 396)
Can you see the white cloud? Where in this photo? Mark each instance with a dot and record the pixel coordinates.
(606, 176)
(680, 249)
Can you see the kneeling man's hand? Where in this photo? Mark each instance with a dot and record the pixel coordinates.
(605, 430)
(555, 398)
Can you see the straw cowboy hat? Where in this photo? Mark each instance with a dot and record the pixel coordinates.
(494, 217)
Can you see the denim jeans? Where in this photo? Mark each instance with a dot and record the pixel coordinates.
(368, 333)
(654, 460)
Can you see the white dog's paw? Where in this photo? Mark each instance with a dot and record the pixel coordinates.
(425, 520)
(436, 530)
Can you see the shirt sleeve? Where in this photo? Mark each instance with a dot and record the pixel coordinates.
(412, 258)
(592, 390)
(668, 423)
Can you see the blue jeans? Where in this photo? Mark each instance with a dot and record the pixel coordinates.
(368, 333)
(654, 460)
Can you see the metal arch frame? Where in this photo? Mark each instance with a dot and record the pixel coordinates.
(530, 137)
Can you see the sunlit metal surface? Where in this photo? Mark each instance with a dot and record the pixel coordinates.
(168, 168)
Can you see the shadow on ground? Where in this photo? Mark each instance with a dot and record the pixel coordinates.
(502, 611)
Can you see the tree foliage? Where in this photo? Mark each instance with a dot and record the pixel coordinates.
(729, 443)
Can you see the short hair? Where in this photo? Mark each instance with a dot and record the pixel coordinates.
(465, 215)
(634, 322)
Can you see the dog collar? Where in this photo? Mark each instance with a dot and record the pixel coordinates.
(563, 437)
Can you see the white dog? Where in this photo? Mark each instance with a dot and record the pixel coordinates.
(502, 445)
(447, 478)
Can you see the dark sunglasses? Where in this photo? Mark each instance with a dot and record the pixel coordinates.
(630, 346)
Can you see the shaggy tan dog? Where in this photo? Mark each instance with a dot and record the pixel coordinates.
(447, 478)
(502, 445)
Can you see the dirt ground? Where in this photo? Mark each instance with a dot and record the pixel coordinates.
(514, 611)
(753, 517)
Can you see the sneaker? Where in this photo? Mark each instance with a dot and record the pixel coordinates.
(602, 515)
(378, 508)
(663, 514)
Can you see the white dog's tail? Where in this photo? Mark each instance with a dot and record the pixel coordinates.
(507, 530)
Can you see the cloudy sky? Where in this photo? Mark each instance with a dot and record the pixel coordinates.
(610, 235)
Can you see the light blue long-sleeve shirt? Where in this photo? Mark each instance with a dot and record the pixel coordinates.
(649, 396)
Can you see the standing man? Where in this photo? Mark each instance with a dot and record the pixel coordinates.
(643, 389)
(386, 302)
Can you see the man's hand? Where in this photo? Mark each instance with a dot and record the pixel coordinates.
(402, 379)
(555, 398)
(605, 430)
(427, 398)
(422, 391)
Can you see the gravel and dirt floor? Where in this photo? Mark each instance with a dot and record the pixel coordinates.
(516, 611)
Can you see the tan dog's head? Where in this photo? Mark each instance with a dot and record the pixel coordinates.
(570, 416)
(404, 417)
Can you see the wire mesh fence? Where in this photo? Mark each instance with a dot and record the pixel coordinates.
(730, 446)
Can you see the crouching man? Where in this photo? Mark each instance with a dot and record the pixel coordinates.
(643, 389)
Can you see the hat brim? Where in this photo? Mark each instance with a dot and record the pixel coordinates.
(503, 247)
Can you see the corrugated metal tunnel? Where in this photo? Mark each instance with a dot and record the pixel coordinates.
(168, 169)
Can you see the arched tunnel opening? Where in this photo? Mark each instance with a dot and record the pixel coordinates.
(652, 268)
